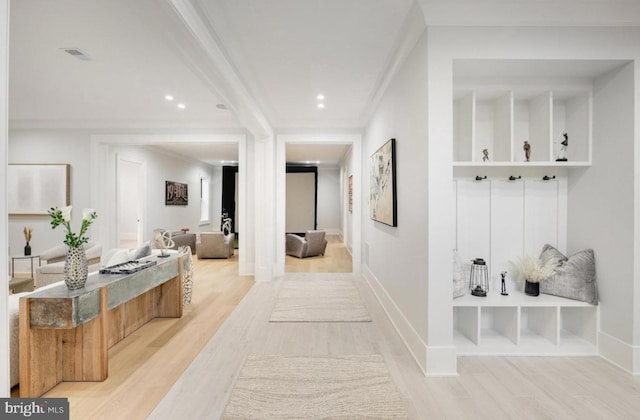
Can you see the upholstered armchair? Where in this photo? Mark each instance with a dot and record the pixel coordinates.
(311, 245)
(215, 245)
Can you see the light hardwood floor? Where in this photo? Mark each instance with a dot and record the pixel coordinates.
(486, 387)
(180, 369)
(144, 366)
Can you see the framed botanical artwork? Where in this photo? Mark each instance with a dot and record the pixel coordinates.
(35, 188)
(176, 194)
(383, 197)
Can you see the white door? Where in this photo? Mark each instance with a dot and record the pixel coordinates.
(130, 202)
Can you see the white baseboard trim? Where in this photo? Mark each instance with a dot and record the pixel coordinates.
(407, 333)
(246, 269)
(332, 231)
(619, 353)
(442, 361)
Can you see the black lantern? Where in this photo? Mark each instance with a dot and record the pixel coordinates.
(479, 278)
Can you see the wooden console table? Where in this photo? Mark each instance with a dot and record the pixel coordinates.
(65, 334)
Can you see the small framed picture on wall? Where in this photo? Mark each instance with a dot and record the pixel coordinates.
(176, 194)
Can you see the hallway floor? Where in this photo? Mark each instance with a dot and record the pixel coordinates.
(186, 368)
(486, 387)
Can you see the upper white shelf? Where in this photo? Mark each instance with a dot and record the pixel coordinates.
(498, 123)
(522, 164)
(516, 298)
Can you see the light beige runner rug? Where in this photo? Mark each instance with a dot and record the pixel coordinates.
(319, 300)
(319, 387)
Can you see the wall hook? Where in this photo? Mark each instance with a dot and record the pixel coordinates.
(480, 178)
(513, 178)
(546, 177)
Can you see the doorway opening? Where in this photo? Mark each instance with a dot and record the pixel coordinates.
(130, 206)
(313, 176)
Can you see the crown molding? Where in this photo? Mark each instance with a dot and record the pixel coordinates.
(414, 27)
(561, 13)
(221, 74)
(126, 126)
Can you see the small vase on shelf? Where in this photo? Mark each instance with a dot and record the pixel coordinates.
(76, 268)
(27, 250)
(531, 288)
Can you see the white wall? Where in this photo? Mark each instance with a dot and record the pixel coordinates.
(346, 225)
(329, 200)
(73, 147)
(394, 259)
(161, 167)
(53, 146)
(600, 216)
(301, 201)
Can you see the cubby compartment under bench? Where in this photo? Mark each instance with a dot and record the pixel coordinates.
(519, 324)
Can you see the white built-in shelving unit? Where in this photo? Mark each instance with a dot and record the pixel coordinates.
(518, 324)
(497, 116)
(497, 105)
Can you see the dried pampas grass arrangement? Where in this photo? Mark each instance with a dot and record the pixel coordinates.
(531, 269)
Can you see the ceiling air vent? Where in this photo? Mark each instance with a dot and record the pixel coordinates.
(77, 53)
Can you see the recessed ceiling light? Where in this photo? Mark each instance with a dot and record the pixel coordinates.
(321, 105)
(320, 97)
(182, 106)
(221, 106)
(169, 97)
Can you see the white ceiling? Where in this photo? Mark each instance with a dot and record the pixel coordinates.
(328, 155)
(134, 65)
(284, 51)
(289, 51)
(265, 59)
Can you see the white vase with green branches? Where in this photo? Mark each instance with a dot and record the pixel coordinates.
(76, 268)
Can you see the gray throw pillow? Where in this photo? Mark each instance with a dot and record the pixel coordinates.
(573, 277)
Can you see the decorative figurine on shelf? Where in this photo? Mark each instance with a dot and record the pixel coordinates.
(527, 151)
(563, 149)
(485, 155)
(504, 286)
